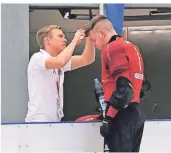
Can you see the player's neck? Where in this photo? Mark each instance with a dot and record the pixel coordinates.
(109, 36)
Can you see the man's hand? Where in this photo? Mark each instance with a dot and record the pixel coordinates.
(106, 128)
(79, 36)
(88, 55)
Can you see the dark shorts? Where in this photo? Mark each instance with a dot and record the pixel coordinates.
(127, 132)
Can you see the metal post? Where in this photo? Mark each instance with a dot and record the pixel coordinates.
(101, 9)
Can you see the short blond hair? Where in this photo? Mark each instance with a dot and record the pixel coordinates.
(45, 32)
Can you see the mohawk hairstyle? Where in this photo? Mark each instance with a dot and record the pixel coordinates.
(92, 23)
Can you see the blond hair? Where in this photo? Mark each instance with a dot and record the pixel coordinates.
(45, 32)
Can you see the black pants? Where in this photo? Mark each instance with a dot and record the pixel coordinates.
(127, 132)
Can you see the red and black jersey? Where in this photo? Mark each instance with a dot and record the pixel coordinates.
(121, 58)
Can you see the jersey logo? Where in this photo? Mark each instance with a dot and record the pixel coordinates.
(138, 76)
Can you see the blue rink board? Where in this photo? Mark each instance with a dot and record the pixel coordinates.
(72, 122)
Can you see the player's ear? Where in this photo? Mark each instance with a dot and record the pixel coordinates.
(103, 33)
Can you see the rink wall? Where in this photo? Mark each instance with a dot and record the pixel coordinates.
(76, 137)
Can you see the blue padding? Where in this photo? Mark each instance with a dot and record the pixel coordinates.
(115, 13)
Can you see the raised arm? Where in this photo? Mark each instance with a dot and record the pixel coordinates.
(87, 57)
(60, 60)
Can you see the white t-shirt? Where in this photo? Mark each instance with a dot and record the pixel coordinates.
(43, 90)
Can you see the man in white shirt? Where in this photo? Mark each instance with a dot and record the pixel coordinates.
(46, 72)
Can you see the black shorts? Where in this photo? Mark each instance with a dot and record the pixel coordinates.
(127, 132)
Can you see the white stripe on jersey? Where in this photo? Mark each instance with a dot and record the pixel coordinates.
(139, 60)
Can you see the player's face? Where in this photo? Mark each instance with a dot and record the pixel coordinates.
(98, 39)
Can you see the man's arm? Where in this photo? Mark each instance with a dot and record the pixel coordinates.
(122, 71)
(119, 68)
(63, 58)
(119, 99)
(121, 96)
(86, 58)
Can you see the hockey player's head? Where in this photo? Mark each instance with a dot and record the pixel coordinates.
(100, 31)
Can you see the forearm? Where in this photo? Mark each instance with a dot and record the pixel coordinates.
(67, 53)
(87, 57)
(110, 111)
(89, 52)
(59, 61)
(121, 97)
